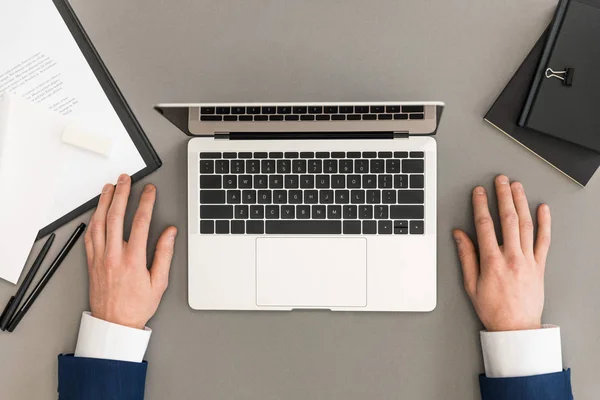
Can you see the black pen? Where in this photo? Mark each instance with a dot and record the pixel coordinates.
(46, 278)
(14, 302)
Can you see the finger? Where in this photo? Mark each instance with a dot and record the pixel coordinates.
(98, 222)
(468, 260)
(141, 221)
(544, 235)
(486, 236)
(509, 218)
(525, 220)
(89, 245)
(159, 272)
(116, 214)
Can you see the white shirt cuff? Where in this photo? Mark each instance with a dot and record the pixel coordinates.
(101, 339)
(522, 353)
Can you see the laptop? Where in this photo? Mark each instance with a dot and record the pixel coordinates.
(327, 206)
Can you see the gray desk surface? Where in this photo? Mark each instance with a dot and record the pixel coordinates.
(462, 52)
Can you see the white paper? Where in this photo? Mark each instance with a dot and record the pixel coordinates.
(41, 62)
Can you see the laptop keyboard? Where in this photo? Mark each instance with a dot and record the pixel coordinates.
(307, 193)
(311, 113)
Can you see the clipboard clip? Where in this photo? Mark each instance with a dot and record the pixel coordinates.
(565, 76)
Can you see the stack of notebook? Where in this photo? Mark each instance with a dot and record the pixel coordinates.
(550, 104)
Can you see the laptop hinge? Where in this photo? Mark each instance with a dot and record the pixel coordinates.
(401, 135)
(304, 135)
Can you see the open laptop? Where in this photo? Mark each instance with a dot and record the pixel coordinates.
(311, 205)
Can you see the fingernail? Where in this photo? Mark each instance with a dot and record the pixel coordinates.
(503, 179)
(517, 186)
(173, 235)
(149, 188)
(546, 208)
(479, 190)
(107, 188)
(456, 238)
(123, 178)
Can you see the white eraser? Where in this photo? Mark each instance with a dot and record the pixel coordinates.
(76, 135)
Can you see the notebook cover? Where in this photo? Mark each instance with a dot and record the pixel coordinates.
(570, 112)
(118, 102)
(576, 162)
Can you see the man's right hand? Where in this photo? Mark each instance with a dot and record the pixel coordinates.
(506, 283)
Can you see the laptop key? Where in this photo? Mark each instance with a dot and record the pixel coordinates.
(365, 212)
(307, 117)
(260, 181)
(392, 166)
(354, 154)
(237, 166)
(417, 228)
(361, 166)
(417, 154)
(407, 212)
(319, 212)
(392, 109)
(212, 197)
(238, 227)
(307, 181)
(207, 227)
(346, 166)
(291, 154)
(326, 196)
(369, 117)
(377, 109)
(413, 166)
(331, 109)
(229, 182)
(338, 181)
(249, 197)
(222, 167)
(384, 227)
(253, 167)
(346, 109)
(272, 212)
(381, 212)
(280, 197)
(334, 212)
(216, 212)
(388, 196)
(288, 212)
(253, 110)
(284, 166)
(268, 166)
(264, 197)
(401, 181)
(269, 110)
(245, 154)
(413, 109)
(230, 118)
(299, 166)
(210, 155)
(417, 181)
(292, 118)
(315, 166)
(373, 197)
(357, 197)
(338, 117)
(377, 166)
(323, 182)
(234, 197)
(300, 110)
(342, 197)
(292, 181)
(307, 154)
(295, 196)
(210, 182)
(350, 212)
(352, 227)
(207, 110)
(361, 109)
(369, 227)
(222, 227)
(207, 167)
(401, 154)
(353, 181)
(275, 181)
(411, 196)
(315, 109)
(385, 181)
(400, 116)
(311, 196)
(369, 181)
(245, 182)
(241, 212)
(261, 118)
(417, 116)
(229, 155)
(304, 227)
(303, 212)
(255, 227)
(223, 110)
(400, 227)
(330, 166)
(257, 212)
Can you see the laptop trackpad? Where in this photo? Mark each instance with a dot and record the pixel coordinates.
(311, 272)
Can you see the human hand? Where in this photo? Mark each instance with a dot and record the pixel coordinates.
(122, 289)
(506, 283)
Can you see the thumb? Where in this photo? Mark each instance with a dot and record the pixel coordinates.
(159, 272)
(468, 259)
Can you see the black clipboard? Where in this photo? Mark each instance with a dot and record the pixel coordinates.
(114, 95)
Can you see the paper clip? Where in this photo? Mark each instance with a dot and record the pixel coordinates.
(566, 76)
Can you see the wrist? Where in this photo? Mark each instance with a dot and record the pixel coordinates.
(119, 320)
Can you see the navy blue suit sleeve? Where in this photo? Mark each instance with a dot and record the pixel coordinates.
(555, 386)
(95, 379)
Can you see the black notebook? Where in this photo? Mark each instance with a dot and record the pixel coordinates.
(568, 111)
(576, 162)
